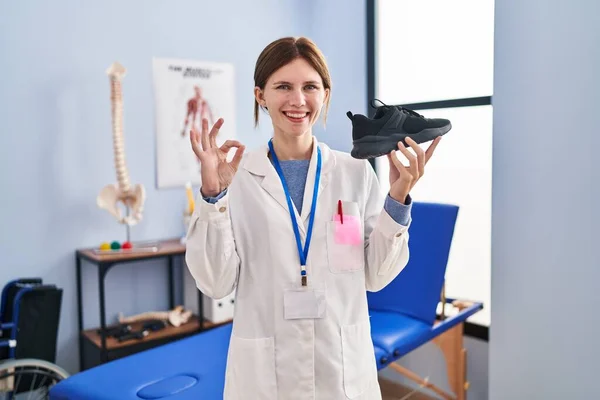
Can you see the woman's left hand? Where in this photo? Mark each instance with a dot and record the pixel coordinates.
(403, 179)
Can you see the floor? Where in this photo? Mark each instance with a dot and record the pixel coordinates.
(393, 391)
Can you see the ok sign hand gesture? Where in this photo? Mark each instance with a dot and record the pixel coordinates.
(217, 173)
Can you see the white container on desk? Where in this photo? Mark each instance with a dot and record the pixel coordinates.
(215, 311)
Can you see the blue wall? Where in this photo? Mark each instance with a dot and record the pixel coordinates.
(56, 153)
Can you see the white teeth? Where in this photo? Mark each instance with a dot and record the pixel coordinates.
(296, 115)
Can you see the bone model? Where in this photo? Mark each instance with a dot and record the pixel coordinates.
(110, 196)
(176, 316)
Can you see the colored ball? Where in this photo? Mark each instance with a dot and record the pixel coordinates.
(104, 246)
(115, 245)
(127, 245)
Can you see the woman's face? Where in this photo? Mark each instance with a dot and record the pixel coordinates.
(294, 96)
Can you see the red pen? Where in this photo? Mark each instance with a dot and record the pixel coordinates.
(340, 211)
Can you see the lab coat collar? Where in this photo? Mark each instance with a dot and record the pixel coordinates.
(258, 163)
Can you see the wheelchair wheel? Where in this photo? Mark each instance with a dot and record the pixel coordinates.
(28, 379)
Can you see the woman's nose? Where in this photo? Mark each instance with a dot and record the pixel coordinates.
(297, 98)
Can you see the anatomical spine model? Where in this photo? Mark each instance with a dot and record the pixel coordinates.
(132, 197)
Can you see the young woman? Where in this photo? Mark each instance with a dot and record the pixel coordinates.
(300, 232)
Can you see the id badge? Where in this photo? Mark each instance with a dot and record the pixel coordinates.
(304, 303)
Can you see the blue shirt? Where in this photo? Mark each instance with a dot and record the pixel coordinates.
(295, 173)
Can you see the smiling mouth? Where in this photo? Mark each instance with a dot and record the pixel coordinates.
(297, 116)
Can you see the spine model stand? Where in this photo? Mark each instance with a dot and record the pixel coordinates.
(132, 197)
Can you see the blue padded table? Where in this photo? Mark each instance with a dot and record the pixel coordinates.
(397, 335)
(403, 315)
(190, 368)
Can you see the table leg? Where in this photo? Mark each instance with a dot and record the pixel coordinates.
(452, 346)
(79, 311)
(101, 274)
(200, 311)
(171, 283)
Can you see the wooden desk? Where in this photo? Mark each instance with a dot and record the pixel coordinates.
(165, 248)
(95, 340)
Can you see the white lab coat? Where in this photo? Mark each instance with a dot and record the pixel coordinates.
(246, 242)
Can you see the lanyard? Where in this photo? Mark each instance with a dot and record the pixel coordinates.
(303, 254)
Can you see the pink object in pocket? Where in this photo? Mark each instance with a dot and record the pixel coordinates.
(349, 232)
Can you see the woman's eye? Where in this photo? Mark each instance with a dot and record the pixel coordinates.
(283, 87)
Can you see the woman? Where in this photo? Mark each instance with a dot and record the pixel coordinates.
(300, 232)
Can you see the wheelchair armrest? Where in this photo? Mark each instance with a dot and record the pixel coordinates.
(8, 343)
(7, 325)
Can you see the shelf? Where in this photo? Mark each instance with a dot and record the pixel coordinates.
(187, 329)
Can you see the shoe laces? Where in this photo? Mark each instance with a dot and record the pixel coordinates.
(408, 110)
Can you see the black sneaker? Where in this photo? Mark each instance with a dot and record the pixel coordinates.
(390, 125)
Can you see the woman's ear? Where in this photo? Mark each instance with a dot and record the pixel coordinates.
(259, 95)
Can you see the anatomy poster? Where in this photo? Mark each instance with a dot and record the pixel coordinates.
(185, 92)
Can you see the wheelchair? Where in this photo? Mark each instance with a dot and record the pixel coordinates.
(29, 318)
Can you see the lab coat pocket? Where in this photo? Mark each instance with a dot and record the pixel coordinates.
(251, 369)
(358, 357)
(345, 241)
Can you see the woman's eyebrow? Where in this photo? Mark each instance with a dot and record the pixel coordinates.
(288, 83)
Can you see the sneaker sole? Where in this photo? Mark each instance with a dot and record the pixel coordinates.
(375, 146)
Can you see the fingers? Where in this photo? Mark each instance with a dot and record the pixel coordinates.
(417, 162)
(229, 144)
(205, 140)
(195, 142)
(420, 155)
(214, 132)
(394, 160)
(389, 157)
(412, 159)
(237, 157)
(431, 148)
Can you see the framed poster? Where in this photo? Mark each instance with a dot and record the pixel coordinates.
(186, 91)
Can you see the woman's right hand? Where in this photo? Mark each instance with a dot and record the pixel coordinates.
(217, 173)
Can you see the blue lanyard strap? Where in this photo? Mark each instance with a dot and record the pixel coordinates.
(302, 253)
